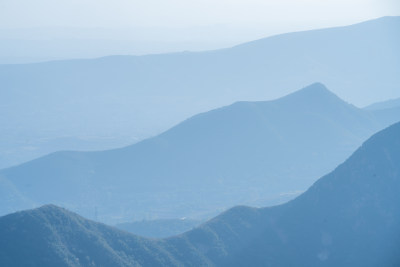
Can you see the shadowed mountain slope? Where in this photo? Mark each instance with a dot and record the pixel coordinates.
(350, 217)
(51, 236)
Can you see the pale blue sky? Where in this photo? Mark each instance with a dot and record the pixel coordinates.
(159, 26)
(190, 13)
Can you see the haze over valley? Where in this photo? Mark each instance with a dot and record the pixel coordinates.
(243, 153)
(116, 101)
(184, 133)
(317, 228)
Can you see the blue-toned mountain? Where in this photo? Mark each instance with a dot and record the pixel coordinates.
(139, 96)
(350, 217)
(257, 153)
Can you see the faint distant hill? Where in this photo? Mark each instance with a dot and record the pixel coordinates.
(144, 95)
(258, 153)
(392, 103)
(386, 111)
(350, 217)
(159, 228)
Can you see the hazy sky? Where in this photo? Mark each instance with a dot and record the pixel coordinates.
(160, 26)
(190, 13)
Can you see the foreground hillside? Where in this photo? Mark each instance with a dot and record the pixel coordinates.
(51, 236)
(254, 153)
(350, 217)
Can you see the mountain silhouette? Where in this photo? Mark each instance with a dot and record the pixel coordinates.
(254, 153)
(52, 236)
(141, 96)
(350, 217)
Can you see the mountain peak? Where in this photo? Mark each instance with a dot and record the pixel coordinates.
(317, 86)
(315, 94)
(314, 89)
(49, 208)
(50, 213)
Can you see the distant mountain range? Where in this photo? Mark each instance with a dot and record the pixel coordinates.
(386, 111)
(350, 217)
(141, 96)
(393, 103)
(159, 228)
(254, 153)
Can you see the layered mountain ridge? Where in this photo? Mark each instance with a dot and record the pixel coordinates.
(140, 96)
(239, 154)
(349, 217)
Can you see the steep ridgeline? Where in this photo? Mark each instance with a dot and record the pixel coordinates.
(253, 153)
(143, 95)
(350, 217)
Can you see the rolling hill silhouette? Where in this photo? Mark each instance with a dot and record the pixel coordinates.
(144, 95)
(240, 154)
(350, 217)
